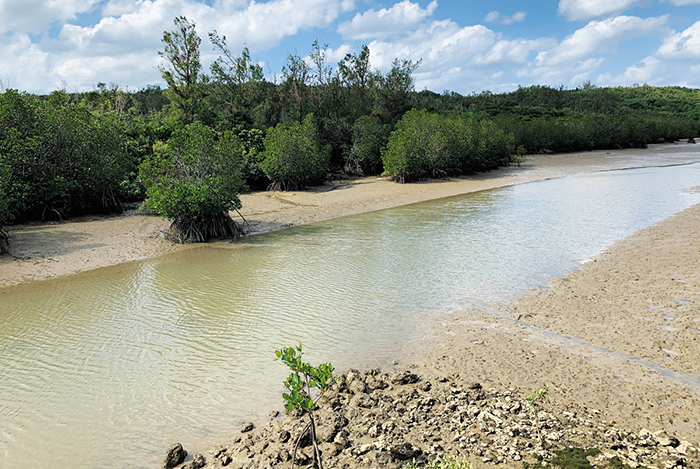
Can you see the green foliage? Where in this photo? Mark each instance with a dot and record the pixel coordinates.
(431, 145)
(294, 156)
(536, 399)
(573, 458)
(303, 379)
(253, 156)
(194, 180)
(449, 461)
(60, 159)
(4, 208)
(615, 463)
(369, 137)
(182, 71)
(392, 95)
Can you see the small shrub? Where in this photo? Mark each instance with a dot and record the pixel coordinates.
(293, 156)
(194, 180)
(536, 398)
(300, 383)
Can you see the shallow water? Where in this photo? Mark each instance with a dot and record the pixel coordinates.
(108, 368)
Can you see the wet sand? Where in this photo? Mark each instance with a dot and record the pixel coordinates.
(621, 335)
(47, 250)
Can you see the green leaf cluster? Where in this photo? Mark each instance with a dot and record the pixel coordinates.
(294, 156)
(59, 159)
(303, 378)
(369, 137)
(194, 174)
(428, 144)
(536, 398)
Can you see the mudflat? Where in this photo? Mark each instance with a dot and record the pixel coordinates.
(41, 251)
(621, 335)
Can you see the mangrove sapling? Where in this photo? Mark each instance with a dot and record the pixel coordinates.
(535, 400)
(299, 399)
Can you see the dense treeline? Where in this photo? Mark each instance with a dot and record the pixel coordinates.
(432, 145)
(72, 153)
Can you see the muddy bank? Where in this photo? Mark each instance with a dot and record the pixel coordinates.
(48, 250)
(617, 335)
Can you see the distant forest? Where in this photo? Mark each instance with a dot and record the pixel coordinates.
(66, 154)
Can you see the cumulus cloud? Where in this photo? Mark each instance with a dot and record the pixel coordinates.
(27, 62)
(683, 45)
(395, 21)
(120, 7)
(122, 47)
(498, 17)
(457, 57)
(671, 64)
(588, 9)
(598, 37)
(34, 16)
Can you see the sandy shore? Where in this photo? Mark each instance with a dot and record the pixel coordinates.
(620, 335)
(47, 250)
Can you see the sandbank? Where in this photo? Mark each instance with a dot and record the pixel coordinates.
(41, 251)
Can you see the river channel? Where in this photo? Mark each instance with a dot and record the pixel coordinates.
(109, 367)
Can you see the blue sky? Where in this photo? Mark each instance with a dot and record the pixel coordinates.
(465, 45)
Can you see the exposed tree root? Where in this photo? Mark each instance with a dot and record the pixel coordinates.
(202, 229)
(285, 186)
(353, 168)
(4, 241)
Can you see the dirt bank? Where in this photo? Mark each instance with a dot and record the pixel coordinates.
(48, 250)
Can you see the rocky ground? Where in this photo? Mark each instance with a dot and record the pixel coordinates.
(376, 419)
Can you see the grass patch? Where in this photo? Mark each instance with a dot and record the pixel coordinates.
(574, 458)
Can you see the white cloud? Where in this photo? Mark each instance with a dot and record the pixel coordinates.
(456, 57)
(398, 19)
(679, 3)
(514, 51)
(570, 74)
(498, 17)
(599, 37)
(34, 16)
(120, 7)
(683, 45)
(122, 47)
(589, 9)
(672, 63)
(22, 63)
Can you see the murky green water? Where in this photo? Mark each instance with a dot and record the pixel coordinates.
(108, 368)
